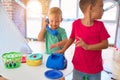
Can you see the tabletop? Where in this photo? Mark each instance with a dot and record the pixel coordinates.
(26, 72)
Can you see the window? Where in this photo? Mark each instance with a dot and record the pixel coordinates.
(110, 19)
(111, 13)
(69, 9)
(33, 19)
(54, 3)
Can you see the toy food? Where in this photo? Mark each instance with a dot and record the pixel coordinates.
(34, 59)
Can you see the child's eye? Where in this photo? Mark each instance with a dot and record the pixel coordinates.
(57, 21)
(51, 21)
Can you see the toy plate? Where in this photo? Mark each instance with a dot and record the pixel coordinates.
(53, 74)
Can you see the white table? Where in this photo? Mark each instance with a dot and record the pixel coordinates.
(25, 72)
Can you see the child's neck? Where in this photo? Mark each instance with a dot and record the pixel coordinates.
(87, 22)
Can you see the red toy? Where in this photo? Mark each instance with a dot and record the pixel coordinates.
(23, 59)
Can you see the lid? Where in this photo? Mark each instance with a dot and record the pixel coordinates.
(36, 56)
(53, 74)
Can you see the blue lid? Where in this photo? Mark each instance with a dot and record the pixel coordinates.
(53, 74)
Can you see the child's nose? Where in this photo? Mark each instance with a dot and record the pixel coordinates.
(54, 23)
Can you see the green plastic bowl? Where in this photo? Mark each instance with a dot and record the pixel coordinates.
(12, 60)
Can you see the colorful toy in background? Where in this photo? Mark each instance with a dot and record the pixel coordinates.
(12, 60)
(53, 32)
(34, 59)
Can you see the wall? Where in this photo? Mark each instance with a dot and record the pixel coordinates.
(19, 17)
(11, 39)
(8, 6)
(18, 13)
(118, 33)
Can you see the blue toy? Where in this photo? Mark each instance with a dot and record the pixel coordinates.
(56, 61)
(53, 32)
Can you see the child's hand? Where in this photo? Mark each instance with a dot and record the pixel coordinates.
(59, 51)
(53, 46)
(81, 43)
(45, 23)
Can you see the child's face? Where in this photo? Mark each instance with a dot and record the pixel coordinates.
(98, 10)
(54, 21)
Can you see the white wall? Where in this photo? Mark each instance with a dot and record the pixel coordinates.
(10, 37)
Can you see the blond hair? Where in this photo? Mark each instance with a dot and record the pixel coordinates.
(55, 11)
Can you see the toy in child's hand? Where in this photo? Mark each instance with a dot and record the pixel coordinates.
(53, 32)
(47, 20)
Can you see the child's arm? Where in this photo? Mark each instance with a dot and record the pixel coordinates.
(102, 45)
(42, 31)
(66, 46)
(59, 44)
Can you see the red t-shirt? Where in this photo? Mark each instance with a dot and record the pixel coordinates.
(88, 61)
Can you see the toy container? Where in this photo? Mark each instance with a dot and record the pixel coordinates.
(34, 59)
(12, 60)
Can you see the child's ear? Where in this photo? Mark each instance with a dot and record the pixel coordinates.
(90, 7)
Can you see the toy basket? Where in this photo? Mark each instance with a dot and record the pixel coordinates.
(12, 59)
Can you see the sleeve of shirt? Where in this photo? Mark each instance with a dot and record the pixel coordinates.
(104, 34)
(73, 31)
(64, 34)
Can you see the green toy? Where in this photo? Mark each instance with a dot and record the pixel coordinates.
(12, 59)
(86, 77)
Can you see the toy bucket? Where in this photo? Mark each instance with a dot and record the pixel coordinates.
(34, 59)
(12, 59)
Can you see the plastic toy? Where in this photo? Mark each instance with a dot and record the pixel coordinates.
(12, 59)
(86, 77)
(53, 32)
(34, 59)
(23, 60)
(56, 61)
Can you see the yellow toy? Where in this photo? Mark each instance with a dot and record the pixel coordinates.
(34, 59)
